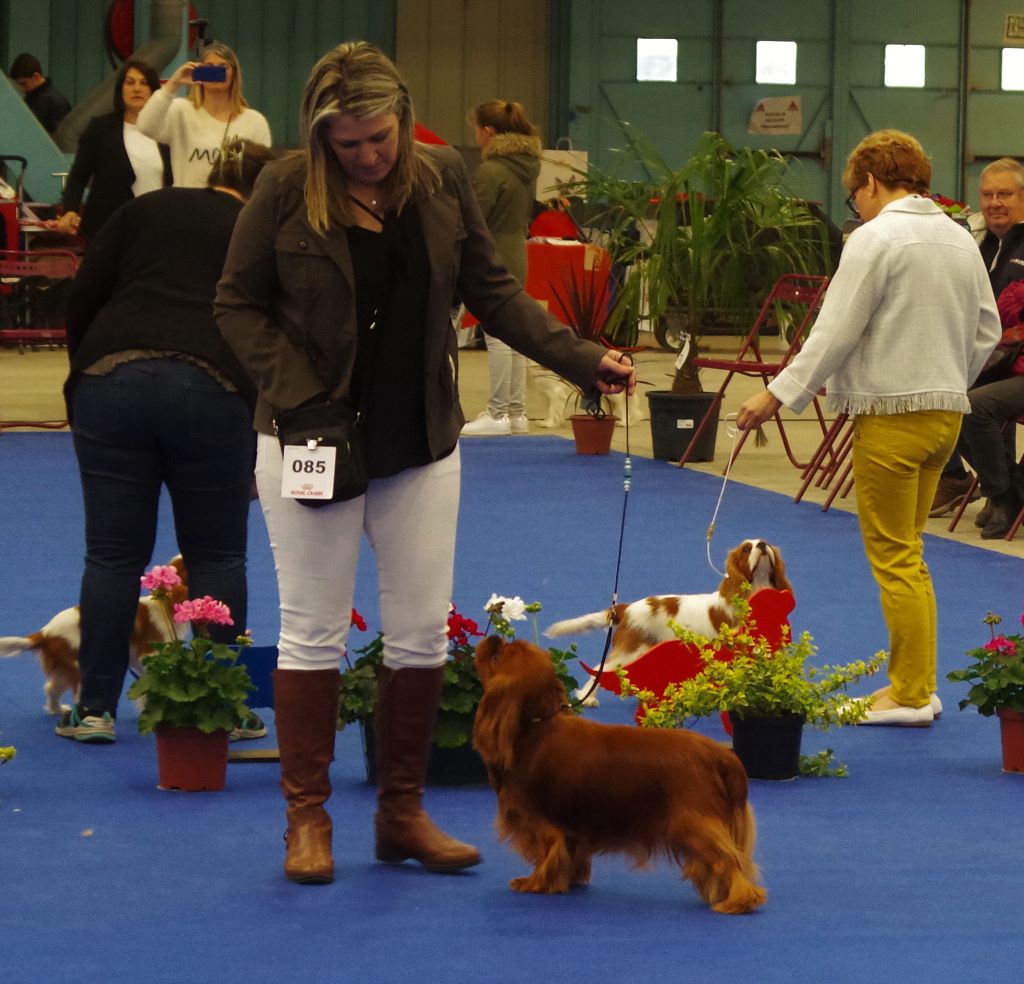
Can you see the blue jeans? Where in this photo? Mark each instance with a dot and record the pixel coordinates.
(146, 424)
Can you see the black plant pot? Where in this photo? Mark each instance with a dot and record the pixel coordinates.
(674, 418)
(446, 766)
(768, 747)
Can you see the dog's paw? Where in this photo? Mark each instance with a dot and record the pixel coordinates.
(56, 709)
(533, 884)
(591, 701)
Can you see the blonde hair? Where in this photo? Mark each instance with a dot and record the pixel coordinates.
(1005, 165)
(358, 79)
(895, 159)
(237, 100)
(504, 117)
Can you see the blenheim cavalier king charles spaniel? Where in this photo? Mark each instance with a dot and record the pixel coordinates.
(57, 642)
(643, 624)
(568, 788)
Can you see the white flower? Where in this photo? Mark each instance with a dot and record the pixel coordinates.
(513, 609)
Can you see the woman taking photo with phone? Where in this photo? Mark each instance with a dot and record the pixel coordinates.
(214, 113)
(336, 296)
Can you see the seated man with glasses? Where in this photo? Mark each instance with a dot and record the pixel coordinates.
(997, 396)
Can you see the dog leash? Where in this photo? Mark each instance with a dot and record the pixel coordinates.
(627, 484)
(733, 432)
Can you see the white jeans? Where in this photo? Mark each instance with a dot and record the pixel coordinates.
(506, 370)
(409, 521)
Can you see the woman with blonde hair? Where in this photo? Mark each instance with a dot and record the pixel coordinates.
(906, 326)
(505, 186)
(198, 126)
(336, 297)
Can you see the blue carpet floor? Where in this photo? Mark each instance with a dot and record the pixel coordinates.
(910, 869)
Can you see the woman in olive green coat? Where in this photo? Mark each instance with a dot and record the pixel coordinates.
(505, 186)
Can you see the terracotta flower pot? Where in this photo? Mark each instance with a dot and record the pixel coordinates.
(191, 760)
(593, 434)
(1011, 732)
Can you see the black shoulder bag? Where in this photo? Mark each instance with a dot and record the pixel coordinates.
(330, 423)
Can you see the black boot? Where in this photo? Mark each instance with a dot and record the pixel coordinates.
(1005, 507)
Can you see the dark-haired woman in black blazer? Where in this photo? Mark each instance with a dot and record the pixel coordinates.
(115, 159)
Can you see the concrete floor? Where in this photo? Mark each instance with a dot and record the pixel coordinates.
(30, 389)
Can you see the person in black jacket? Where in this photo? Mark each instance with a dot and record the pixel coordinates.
(155, 397)
(48, 104)
(115, 160)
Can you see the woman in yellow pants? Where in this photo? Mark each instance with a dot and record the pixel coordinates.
(906, 326)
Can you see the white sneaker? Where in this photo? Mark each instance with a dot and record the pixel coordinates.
(520, 423)
(487, 426)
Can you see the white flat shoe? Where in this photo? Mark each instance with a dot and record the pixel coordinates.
(936, 705)
(902, 717)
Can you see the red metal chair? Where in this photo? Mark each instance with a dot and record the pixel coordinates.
(803, 294)
(31, 312)
(830, 467)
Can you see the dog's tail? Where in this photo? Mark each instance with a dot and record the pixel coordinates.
(585, 623)
(16, 645)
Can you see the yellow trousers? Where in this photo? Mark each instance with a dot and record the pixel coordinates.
(897, 461)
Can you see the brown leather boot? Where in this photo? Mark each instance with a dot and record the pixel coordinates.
(306, 712)
(407, 703)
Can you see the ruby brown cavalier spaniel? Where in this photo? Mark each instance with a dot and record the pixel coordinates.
(568, 788)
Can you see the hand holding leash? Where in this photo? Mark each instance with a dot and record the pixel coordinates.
(615, 373)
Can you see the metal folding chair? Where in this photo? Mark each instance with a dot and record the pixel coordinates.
(803, 293)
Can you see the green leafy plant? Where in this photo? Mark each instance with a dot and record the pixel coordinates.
(743, 675)
(461, 690)
(820, 764)
(702, 242)
(996, 672)
(191, 684)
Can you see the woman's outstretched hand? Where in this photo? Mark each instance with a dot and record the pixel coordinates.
(757, 410)
(615, 373)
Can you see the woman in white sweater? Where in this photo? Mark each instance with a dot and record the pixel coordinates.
(196, 127)
(906, 326)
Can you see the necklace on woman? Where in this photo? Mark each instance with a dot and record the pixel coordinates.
(369, 209)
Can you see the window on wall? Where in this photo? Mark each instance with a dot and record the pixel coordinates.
(776, 63)
(656, 59)
(1012, 77)
(904, 66)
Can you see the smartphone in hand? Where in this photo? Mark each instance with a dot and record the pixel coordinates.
(210, 73)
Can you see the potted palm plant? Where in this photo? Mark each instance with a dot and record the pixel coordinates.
(710, 238)
(996, 675)
(452, 759)
(193, 691)
(769, 693)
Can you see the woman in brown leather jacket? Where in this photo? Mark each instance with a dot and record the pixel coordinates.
(338, 289)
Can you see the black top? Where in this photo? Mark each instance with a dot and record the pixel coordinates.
(1004, 258)
(148, 281)
(102, 163)
(48, 104)
(392, 279)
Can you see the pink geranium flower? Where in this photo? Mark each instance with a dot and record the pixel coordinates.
(1001, 645)
(160, 577)
(204, 609)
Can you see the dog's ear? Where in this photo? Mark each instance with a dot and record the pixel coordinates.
(499, 721)
(779, 580)
(737, 571)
